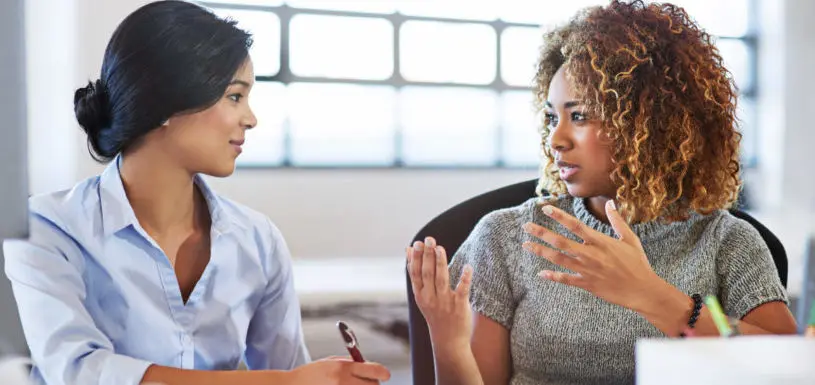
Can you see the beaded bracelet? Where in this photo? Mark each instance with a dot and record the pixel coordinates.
(697, 309)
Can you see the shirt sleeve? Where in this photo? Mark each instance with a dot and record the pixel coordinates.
(748, 276)
(491, 292)
(66, 347)
(275, 336)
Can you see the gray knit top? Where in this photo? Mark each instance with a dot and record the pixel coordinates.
(565, 335)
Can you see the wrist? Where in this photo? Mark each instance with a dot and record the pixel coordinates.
(294, 376)
(653, 296)
(667, 308)
(451, 349)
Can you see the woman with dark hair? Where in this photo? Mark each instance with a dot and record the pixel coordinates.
(641, 161)
(143, 274)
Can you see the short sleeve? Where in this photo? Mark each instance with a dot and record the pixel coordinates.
(747, 274)
(484, 250)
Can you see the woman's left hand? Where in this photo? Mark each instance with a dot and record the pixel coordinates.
(614, 269)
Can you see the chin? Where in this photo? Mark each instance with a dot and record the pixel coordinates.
(220, 170)
(576, 191)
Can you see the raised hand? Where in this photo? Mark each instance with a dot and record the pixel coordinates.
(614, 269)
(447, 311)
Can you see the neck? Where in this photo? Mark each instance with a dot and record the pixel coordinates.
(163, 196)
(597, 207)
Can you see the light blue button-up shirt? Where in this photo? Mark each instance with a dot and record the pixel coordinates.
(99, 300)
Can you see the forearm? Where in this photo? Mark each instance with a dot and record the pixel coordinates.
(173, 376)
(456, 366)
(671, 309)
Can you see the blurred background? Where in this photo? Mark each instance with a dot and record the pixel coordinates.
(376, 115)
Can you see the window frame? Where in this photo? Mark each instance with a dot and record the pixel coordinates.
(285, 13)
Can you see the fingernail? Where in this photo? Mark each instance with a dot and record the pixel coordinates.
(612, 205)
(547, 210)
(545, 274)
(527, 246)
(417, 246)
(438, 251)
(527, 226)
(429, 242)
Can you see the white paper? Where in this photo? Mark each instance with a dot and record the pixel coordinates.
(754, 360)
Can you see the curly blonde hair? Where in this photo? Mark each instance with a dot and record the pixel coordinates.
(656, 82)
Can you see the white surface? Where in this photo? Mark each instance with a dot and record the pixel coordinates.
(13, 371)
(331, 280)
(743, 360)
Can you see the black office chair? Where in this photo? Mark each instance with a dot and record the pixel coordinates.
(452, 227)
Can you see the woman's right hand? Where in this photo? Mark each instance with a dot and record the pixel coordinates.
(340, 371)
(447, 312)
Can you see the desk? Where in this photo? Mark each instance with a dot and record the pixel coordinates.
(756, 360)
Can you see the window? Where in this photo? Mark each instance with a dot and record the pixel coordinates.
(442, 83)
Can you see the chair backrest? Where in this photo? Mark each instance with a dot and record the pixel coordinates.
(451, 228)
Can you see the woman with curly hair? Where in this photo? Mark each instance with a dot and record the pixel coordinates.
(640, 163)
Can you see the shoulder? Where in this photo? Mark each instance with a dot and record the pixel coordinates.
(731, 230)
(507, 220)
(72, 210)
(60, 223)
(247, 217)
(525, 212)
(257, 228)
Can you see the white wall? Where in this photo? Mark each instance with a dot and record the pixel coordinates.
(338, 213)
(51, 49)
(786, 184)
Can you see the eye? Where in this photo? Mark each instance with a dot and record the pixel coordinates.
(235, 97)
(578, 117)
(550, 119)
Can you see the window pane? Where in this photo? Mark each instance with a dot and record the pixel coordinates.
(720, 17)
(522, 140)
(546, 13)
(519, 54)
(270, 3)
(342, 124)
(448, 126)
(341, 47)
(265, 30)
(736, 58)
(264, 143)
(448, 52)
(452, 9)
(370, 6)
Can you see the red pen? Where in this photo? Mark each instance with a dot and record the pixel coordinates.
(350, 341)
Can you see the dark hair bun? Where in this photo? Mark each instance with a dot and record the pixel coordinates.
(92, 109)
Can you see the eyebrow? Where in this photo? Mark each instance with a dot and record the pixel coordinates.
(569, 104)
(240, 82)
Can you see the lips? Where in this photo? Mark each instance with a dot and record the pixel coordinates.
(236, 144)
(567, 170)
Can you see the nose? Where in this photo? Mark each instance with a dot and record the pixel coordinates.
(560, 138)
(249, 120)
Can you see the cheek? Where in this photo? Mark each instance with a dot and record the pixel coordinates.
(218, 119)
(201, 135)
(599, 151)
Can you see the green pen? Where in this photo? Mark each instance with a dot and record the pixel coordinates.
(721, 321)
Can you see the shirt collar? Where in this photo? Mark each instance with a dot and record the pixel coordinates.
(117, 213)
